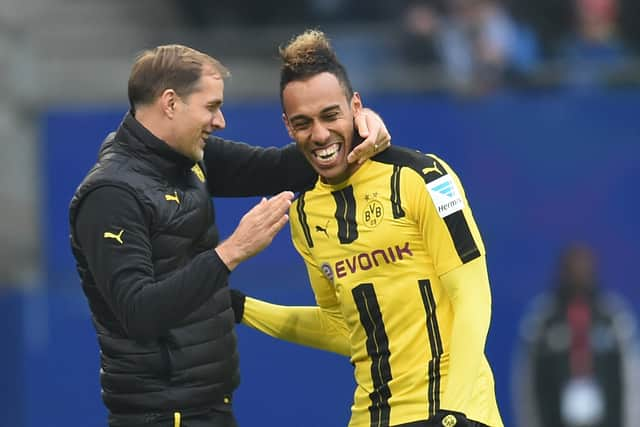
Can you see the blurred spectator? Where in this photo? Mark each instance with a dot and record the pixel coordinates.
(549, 19)
(578, 359)
(594, 53)
(477, 42)
(419, 30)
(483, 46)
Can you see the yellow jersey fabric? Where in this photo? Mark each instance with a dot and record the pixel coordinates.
(397, 267)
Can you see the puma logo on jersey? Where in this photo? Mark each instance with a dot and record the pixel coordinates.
(323, 229)
(434, 168)
(172, 197)
(116, 237)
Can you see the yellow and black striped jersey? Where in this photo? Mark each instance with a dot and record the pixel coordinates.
(377, 248)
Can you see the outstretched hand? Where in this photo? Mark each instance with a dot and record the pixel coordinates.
(256, 230)
(376, 136)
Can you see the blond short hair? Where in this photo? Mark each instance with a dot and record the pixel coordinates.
(165, 67)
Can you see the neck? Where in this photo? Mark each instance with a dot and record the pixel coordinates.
(154, 122)
(351, 169)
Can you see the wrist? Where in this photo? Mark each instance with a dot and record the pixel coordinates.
(238, 299)
(228, 255)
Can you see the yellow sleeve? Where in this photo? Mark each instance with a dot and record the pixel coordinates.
(317, 327)
(455, 246)
(468, 289)
(444, 216)
(321, 327)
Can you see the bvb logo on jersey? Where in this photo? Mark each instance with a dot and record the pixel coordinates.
(449, 421)
(373, 211)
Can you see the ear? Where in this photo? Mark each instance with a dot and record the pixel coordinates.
(168, 101)
(285, 119)
(356, 104)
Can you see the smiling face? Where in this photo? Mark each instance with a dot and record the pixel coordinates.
(319, 117)
(197, 115)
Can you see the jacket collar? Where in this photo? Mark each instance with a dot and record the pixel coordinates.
(138, 139)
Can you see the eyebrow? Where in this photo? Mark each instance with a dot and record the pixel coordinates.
(324, 110)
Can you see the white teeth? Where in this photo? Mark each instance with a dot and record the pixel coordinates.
(327, 152)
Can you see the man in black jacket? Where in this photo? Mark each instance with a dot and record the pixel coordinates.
(147, 249)
(577, 364)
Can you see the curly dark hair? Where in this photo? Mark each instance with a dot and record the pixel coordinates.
(309, 54)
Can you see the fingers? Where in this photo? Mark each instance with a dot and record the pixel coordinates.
(285, 195)
(277, 226)
(362, 124)
(368, 148)
(256, 229)
(268, 219)
(378, 139)
(270, 209)
(278, 205)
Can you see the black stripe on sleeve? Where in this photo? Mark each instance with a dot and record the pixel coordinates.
(302, 217)
(462, 237)
(396, 204)
(346, 214)
(456, 222)
(378, 349)
(430, 168)
(435, 341)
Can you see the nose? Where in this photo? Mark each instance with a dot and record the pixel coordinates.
(319, 133)
(218, 121)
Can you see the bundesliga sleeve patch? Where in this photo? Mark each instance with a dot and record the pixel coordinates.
(445, 195)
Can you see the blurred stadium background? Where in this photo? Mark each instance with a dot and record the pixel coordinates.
(535, 103)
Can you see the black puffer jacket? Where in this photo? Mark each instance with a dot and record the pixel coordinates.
(142, 232)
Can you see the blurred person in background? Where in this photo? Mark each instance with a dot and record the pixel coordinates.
(594, 53)
(584, 42)
(477, 43)
(578, 361)
(549, 19)
(395, 260)
(483, 46)
(419, 28)
(147, 248)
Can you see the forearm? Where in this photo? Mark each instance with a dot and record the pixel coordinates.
(112, 231)
(321, 328)
(468, 288)
(148, 308)
(236, 169)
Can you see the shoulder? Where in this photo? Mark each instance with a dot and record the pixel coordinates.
(104, 197)
(621, 315)
(112, 181)
(428, 166)
(536, 316)
(109, 175)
